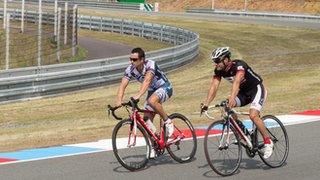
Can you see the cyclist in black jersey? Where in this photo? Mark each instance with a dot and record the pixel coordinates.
(247, 88)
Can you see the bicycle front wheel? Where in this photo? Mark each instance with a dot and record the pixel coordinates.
(222, 148)
(279, 136)
(183, 139)
(132, 151)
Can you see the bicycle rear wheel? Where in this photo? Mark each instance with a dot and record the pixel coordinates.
(185, 147)
(223, 153)
(132, 157)
(278, 135)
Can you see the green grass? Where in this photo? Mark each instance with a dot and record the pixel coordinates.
(287, 59)
(24, 47)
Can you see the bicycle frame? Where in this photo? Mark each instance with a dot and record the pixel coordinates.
(161, 141)
(240, 132)
(230, 120)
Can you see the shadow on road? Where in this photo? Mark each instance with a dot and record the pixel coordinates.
(245, 164)
(161, 160)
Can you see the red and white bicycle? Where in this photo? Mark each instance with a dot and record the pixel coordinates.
(132, 140)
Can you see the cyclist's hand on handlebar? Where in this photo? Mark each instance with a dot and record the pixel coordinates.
(118, 104)
(134, 100)
(231, 102)
(203, 108)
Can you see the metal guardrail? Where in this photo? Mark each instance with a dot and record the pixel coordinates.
(256, 14)
(92, 4)
(30, 16)
(24, 83)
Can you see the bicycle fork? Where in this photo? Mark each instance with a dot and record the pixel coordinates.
(133, 133)
(224, 143)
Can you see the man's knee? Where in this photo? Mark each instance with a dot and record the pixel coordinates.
(254, 115)
(153, 100)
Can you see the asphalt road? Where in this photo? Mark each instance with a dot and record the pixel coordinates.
(302, 163)
(103, 49)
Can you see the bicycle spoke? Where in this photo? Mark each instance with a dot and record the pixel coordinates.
(187, 146)
(278, 134)
(223, 157)
(131, 157)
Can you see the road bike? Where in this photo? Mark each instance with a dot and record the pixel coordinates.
(225, 138)
(132, 139)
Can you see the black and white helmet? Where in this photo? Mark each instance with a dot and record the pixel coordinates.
(220, 53)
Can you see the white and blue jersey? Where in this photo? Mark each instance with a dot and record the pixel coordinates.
(160, 84)
(158, 80)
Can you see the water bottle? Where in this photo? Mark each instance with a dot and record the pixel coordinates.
(243, 128)
(151, 126)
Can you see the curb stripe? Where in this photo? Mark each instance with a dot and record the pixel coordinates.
(45, 152)
(4, 160)
(310, 112)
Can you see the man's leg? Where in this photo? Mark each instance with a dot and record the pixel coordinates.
(268, 144)
(155, 103)
(254, 116)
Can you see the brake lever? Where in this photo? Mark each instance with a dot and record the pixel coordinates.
(109, 110)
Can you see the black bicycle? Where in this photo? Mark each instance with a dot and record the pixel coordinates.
(224, 139)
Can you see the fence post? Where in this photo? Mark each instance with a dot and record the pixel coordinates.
(39, 33)
(22, 16)
(4, 13)
(58, 35)
(90, 23)
(55, 17)
(212, 4)
(132, 26)
(142, 29)
(65, 22)
(161, 33)
(7, 40)
(152, 31)
(112, 27)
(121, 28)
(245, 5)
(74, 30)
(101, 24)
(156, 7)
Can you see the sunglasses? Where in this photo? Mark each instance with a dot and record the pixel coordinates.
(134, 59)
(218, 60)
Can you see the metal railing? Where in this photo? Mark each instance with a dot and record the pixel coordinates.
(24, 83)
(94, 4)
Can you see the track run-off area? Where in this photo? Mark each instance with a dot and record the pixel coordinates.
(95, 160)
(106, 144)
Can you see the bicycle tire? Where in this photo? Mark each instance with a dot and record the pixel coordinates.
(128, 156)
(213, 152)
(187, 147)
(280, 139)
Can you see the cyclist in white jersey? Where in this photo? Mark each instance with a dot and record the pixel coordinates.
(247, 88)
(154, 81)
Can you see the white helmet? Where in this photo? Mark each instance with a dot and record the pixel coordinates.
(220, 53)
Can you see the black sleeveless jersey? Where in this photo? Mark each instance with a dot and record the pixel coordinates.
(251, 79)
